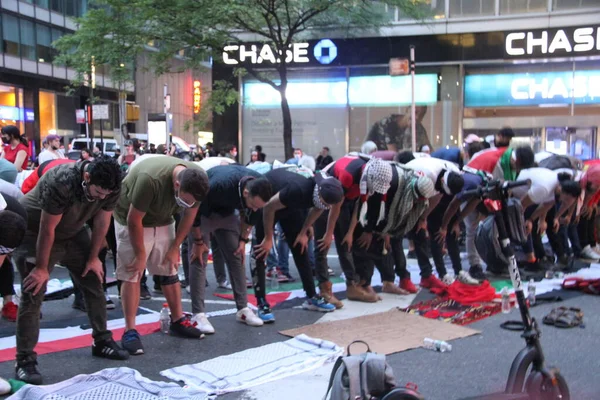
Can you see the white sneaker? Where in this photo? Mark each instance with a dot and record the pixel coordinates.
(4, 387)
(224, 285)
(448, 280)
(203, 324)
(464, 277)
(246, 316)
(589, 254)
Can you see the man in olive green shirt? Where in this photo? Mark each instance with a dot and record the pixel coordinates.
(155, 190)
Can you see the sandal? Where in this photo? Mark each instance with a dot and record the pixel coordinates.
(569, 319)
(551, 318)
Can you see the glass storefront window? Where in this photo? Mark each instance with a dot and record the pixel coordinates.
(558, 5)
(27, 40)
(47, 114)
(10, 34)
(437, 8)
(317, 101)
(11, 112)
(471, 8)
(521, 7)
(44, 43)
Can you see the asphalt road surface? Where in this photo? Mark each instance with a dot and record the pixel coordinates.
(477, 364)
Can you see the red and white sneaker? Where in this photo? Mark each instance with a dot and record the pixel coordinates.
(10, 311)
(431, 282)
(407, 285)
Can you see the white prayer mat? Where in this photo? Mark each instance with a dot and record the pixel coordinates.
(112, 383)
(256, 366)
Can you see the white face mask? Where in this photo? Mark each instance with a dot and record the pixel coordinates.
(181, 203)
(234, 153)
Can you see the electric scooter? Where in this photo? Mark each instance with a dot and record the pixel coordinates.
(529, 378)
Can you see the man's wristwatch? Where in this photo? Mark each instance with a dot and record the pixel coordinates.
(245, 240)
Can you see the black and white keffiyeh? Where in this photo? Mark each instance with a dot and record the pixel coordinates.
(317, 200)
(6, 250)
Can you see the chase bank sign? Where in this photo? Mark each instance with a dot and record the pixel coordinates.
(557, 42)
(324, 52)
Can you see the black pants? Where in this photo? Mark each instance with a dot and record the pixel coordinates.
(340, 230)
(434, 222)
(398, 258)
(365, 260)
(291, 221)
(586, 230)
(420, 240)
(7, 277)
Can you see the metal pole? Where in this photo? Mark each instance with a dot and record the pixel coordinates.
(413, 110)
(573, 92)
(166, 111)
(101, 137)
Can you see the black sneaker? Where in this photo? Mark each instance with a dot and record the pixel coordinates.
(184, 283)
(109, 349)
(144, 292)
(132, 342)
(110, 305)
(157, 288)
(289, 277)
(184, 327)
(28, 372)
(476, 272)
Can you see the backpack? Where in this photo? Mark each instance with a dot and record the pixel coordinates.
(486, 239)
(557, 161)
(365, 376)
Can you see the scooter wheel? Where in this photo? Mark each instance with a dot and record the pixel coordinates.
(544, 389)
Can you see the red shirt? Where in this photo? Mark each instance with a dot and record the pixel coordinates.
(487, 159)
(32, 180)
(348, 170)
(11, 154)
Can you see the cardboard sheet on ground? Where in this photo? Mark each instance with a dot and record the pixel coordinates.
(386, 333)
(353, 309)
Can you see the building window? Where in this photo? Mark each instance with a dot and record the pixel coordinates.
(58, 6)
(10, 31)
(27, 40)
(522, 6)
(47, 114)
(44, 43)
(558, 5)
(471, 8)
(42, 3)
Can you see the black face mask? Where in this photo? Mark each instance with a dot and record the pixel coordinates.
(54, 148)
(5, 140)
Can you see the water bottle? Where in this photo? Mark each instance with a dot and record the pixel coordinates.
(274, 279)
(505, 301)
(437, 345)
(165, 318)
(531, 293)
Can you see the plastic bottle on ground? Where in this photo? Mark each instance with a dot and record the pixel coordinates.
(437, 345)
(505, 301)
(531, 293)
(274, 279)
(165, 318)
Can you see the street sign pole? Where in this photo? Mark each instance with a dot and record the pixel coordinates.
(413, 109)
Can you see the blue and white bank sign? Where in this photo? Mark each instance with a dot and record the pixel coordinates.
(325, 51)
(544, 88)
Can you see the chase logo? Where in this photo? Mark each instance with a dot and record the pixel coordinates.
(325, 51)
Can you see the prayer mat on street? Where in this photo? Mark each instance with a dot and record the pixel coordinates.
(451, 311)
(111, 383)
(70, 335)
(253, 367)
(386, 333)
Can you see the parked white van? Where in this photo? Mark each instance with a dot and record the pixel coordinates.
(110, 145)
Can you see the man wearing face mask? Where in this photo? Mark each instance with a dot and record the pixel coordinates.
(153, 192)
(293, 196)
(65, 198)
(52, 152)
(226, 217)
